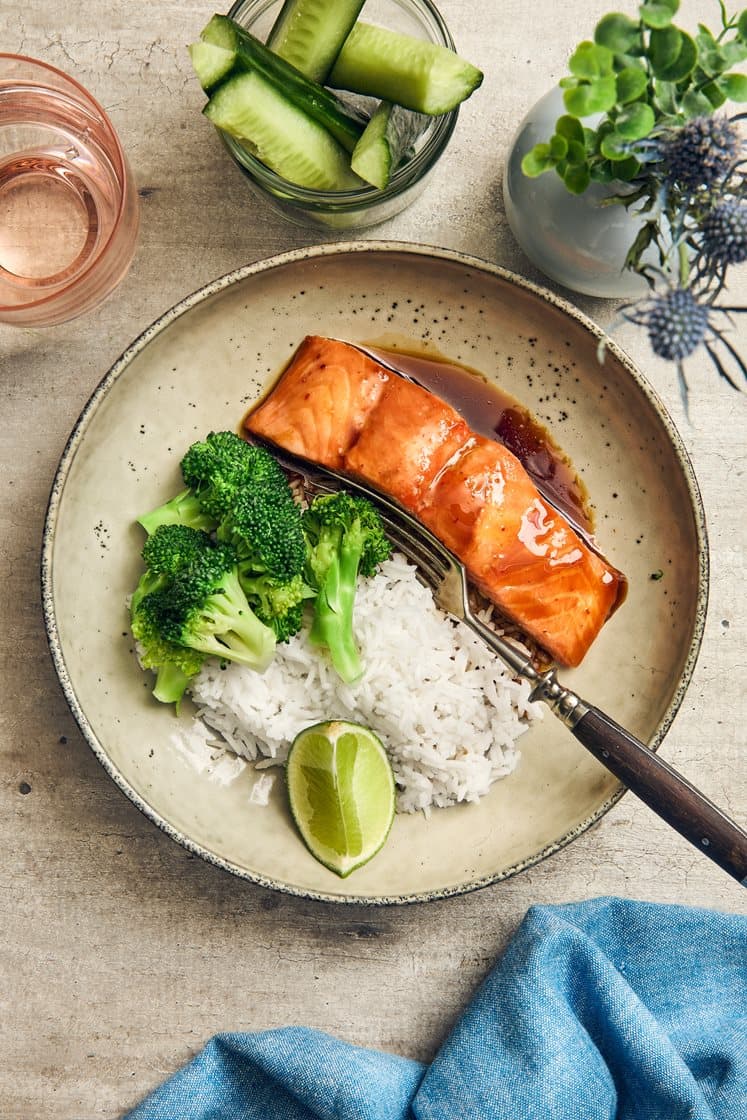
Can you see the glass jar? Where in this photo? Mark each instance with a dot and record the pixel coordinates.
(367, 205)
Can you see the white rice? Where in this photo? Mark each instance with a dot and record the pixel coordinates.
(445, 708)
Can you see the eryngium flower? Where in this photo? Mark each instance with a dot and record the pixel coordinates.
(700, 153)
(676, 323)
(724, 233)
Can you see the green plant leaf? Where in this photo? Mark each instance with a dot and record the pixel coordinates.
(734, 86)
(558, 147)
(742, 26)
(621, 61)
(734, 52)
(710, 56)
(618, 32)
(626, 200)
(664, 49)
(705, 39)
(590, 61)
(712, 62)
(567, 83)
(595, 97)
(627, 169)
(577, 178)
(537, 161)
(636, 121)
(666, 96)
(615, 147)
(571, 128)
(630, 58)
(631, 84)
(603, 172)
(576, 153)
(646, 234)
(696, 104)
(685, 62)
(656, 14)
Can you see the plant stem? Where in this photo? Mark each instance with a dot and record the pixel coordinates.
(684, 262)
(650, 93)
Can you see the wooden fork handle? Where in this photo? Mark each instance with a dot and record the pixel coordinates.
(664, 790)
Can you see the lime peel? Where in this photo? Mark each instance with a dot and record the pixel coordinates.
(342, 794)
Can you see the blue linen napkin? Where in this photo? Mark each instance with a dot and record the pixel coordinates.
(601, 1010)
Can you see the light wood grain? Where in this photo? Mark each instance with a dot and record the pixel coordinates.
(120, 954)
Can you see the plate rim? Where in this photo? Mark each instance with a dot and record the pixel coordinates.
(281, 260)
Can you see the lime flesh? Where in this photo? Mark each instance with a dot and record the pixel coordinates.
(341, 791)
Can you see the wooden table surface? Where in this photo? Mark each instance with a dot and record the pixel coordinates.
(120, 954)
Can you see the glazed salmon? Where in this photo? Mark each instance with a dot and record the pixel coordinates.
(422, 434)
(521, 552)
(338, 407)
(476, 477)
(321, 403)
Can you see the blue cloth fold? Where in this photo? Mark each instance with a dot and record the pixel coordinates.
(601, 1010)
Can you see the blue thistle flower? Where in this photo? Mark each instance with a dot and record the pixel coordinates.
(676, 323)
(723, 233)
(700, 153)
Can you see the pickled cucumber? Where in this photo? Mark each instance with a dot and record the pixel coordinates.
(309, 33)
(281, 135)
(420, 75)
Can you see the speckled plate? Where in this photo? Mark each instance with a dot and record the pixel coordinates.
(198, 368)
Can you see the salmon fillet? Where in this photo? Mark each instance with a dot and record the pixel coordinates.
(519, 551)
(422, 433)
(322, 400)
(338, 407)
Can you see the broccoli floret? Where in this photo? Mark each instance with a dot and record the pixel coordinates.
(173, 664)
(288, 623)
(147, 583)
(264, 527)
(218, 468)
(216, 471)
(173, 547)
(168, 549)
(278, 604)
(183, 509)
(346, 539)
(230, 599)
(246, 488)
(204, 608)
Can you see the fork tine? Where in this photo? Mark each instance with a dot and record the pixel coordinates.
(416, 548)
(433, 572)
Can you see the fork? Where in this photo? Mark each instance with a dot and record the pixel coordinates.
(667, 792)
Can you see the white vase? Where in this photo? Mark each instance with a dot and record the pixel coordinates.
(572, 238)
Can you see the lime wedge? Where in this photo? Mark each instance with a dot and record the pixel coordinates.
(341, 791)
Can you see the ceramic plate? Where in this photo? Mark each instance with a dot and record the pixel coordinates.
(198, 368)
